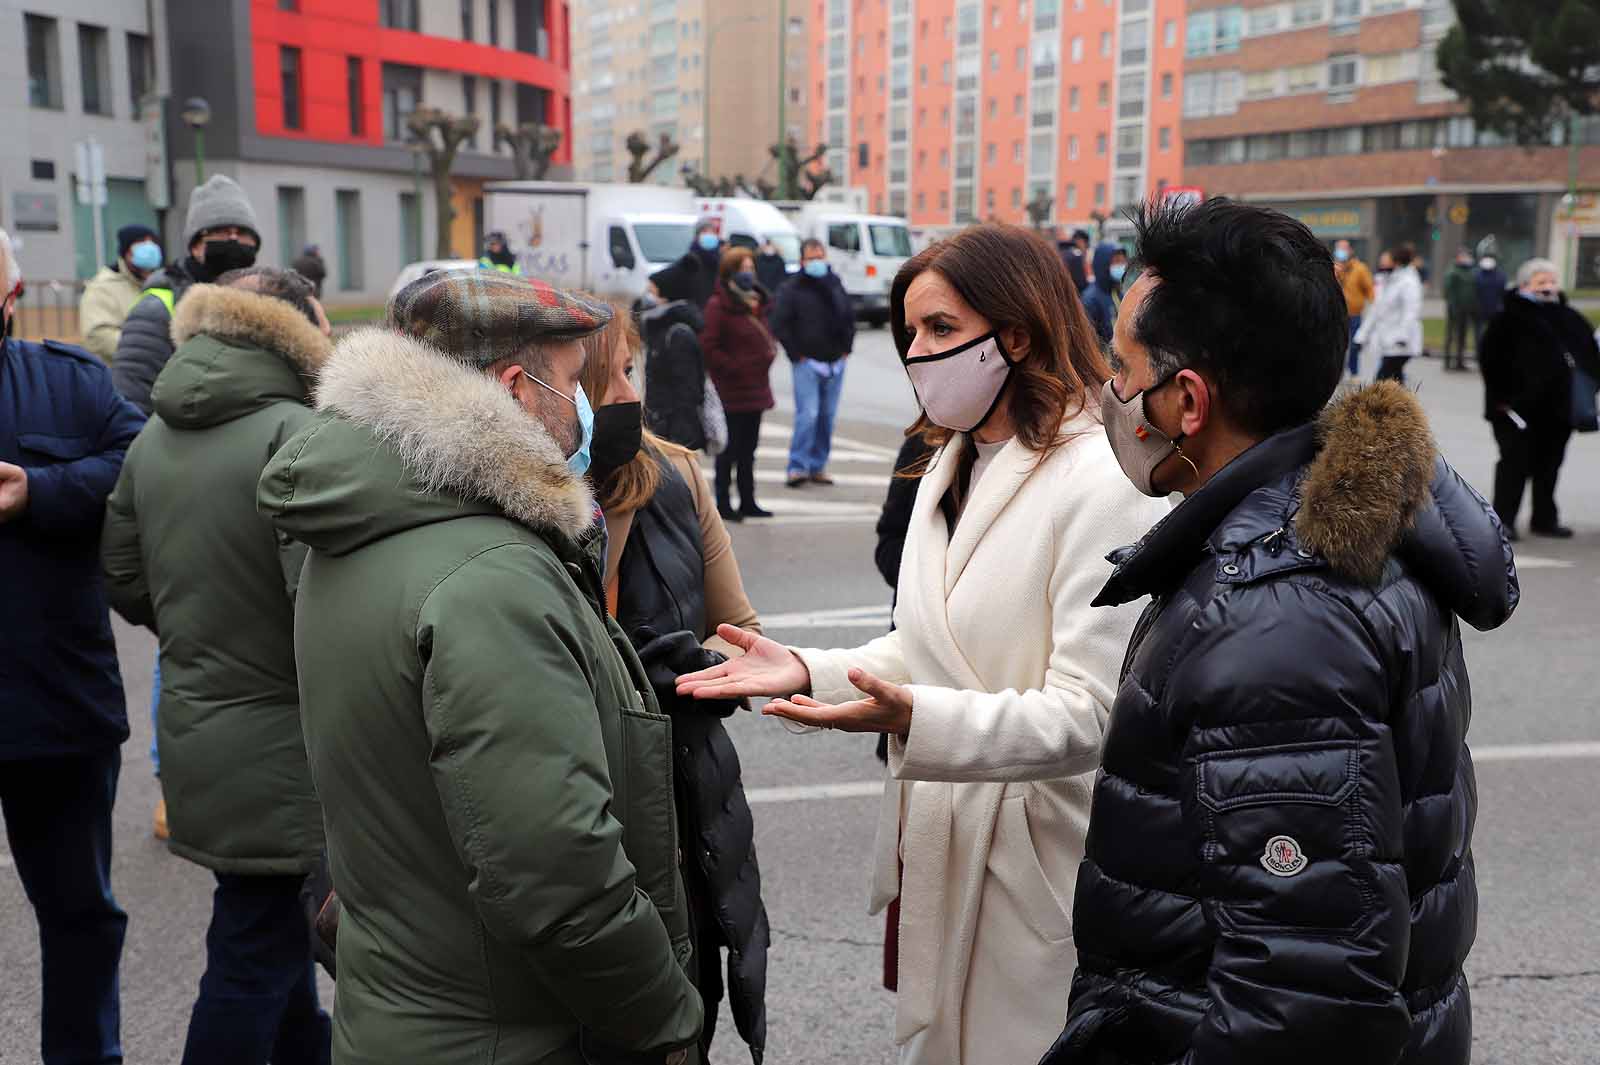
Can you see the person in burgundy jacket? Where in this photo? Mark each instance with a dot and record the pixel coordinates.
(739, 352)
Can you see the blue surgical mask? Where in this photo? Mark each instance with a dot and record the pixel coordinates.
(578, 461)
(1341, 254)
(816, 267)
(1117, 270)
(145, 255)
(710, 241)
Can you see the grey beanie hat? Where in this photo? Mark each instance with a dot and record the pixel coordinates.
(219, 202)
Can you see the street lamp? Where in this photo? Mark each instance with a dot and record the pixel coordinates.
(196, 114)
(705, 90)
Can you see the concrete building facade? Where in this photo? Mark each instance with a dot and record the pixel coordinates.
(309, 99)
(1335, 111)
(704, 72)
(951, 113)
(71, 70)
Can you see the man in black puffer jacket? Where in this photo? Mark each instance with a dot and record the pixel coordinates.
(222, 234)
(674, 371)
(1279, 863)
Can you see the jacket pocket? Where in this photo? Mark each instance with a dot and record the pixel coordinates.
(1014, 864)
(1285, 842)
(55, 448)
(649, 821)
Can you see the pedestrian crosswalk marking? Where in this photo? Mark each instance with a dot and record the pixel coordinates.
(866, 617)
(1536, 562)
(861, 789)
(779, 431)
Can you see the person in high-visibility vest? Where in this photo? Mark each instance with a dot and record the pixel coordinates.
(222, 234)
(497, 255)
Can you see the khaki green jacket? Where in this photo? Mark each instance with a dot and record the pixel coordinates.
(496, 776)
(107, 298)
(186, 553)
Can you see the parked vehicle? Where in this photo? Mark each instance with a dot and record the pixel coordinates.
(865, 250)
(604, 238)
(415, 270)
(749, 223)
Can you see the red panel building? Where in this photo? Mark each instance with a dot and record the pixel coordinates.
(309, 99)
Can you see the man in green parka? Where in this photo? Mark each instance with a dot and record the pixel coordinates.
(186, 553)
(495, 773)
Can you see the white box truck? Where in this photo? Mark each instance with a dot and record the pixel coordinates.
(749, 223)
(865, 250)
(603, 238)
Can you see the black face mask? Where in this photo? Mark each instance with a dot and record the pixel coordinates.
(618, 435)
(225, 255)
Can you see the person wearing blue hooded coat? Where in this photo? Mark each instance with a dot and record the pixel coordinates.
(1101, 295)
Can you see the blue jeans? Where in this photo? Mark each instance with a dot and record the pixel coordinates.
(1355, 349)
(258, 997)
(816, 400)
(155, 724)
(58, 822)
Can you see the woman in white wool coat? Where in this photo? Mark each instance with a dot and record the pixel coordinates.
(996, 684)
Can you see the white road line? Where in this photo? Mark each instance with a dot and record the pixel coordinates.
(1518, 752)
(1538, 562)
(867, 617)
(792, 505)
(781, 455)
(779, 431)
(856, 790)
(860, 789)
(879, 481)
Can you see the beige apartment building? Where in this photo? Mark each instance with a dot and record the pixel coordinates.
(705, 72)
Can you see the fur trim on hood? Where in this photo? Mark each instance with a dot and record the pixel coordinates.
(455, 428)
(1369, 481)
(237, 314)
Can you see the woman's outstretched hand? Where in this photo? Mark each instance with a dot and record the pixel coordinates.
(767, 667)
(887, 708)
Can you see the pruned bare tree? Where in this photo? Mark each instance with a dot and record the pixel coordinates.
(638, 147)
(533, 145)
(439, 136)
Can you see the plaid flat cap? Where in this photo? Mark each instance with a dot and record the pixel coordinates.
(482, 316)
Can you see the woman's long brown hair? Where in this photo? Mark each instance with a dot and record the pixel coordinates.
(630, 487)
(1015, 280)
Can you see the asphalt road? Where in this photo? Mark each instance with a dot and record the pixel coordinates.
(1535, 970)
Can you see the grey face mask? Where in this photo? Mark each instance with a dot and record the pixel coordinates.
(1139, 446)
(960, 388)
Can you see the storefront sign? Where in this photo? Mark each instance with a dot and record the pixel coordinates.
(35, 211)
(1327, 220)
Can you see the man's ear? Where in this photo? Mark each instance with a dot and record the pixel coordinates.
(1195, 402)
(508, 378)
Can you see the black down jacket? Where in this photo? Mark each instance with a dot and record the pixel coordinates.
(146, 342)
(813, 319)
(674, 373)
(1279, 865)
(661, 606)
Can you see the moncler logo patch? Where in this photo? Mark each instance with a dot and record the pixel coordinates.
(1283, 856)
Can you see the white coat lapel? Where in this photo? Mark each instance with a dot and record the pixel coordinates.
(1000, 482)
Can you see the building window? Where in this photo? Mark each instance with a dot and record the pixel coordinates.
(347, 235)
(1382, 69)
(533, 104)
(1346, 13)
(1077, 50)
(1213, 32)
(1164, 138)
(1166, 86)
(1211, 93)
(1099, 194)
(141, 68)
(494, 116)
(528, 25)
(922, 199)
(1017, 104)
(1260, 83)
(944, 158)
(944, 194)
(1099, 144)
(863, 156)
(410, 227)
(994, 107)
(44, 61)
(1134, 48)
(988, 199)
(291, 222)
(400, 14)
(469, 97)
(1306, 12)
(494, 23)
(1169, 33)
(43, 170)
(989, 152)
(1072, 197)
(94, 63)
(1105, 44)
(994, 60)
(1072, 147)
(289, 5)
(355, 98)
(289, 79)
(466, 18)
(402, 92)
(1016, 151)
(1016, 197)
(1105, 94)
(1344, 72)
(1307, 77)
(1072, 98)
(1265, 20)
